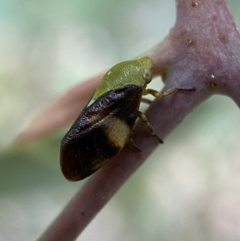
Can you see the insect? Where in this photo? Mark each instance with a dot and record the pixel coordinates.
(106, 123)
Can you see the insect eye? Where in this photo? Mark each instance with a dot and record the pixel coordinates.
(147, 75)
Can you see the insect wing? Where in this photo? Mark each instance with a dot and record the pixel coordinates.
(100, 132)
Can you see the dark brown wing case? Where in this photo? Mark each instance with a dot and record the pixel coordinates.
(100, 132)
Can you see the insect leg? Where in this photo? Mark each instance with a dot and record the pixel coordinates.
(131, 142)
(166, 93)
(143, 118)
(146, 101)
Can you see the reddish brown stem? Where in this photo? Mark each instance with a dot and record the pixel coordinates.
(201, 51)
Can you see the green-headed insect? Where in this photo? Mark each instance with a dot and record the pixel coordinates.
(106, 123)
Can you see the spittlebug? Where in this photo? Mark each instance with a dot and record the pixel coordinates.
(105, 125)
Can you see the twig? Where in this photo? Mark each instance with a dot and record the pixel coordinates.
(201, 51)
